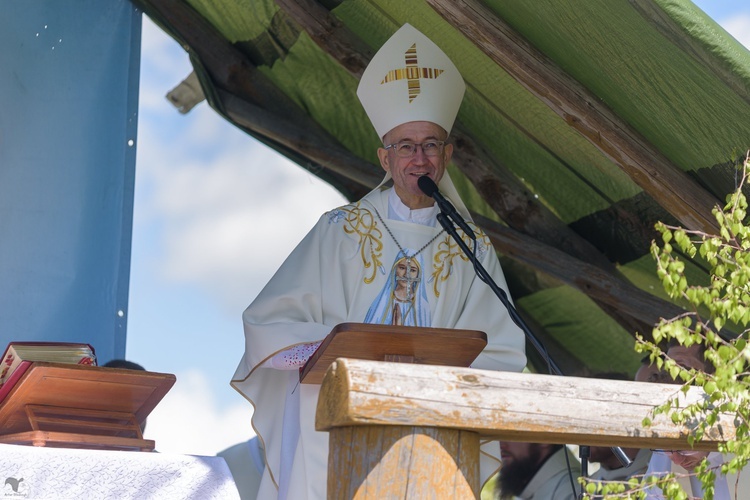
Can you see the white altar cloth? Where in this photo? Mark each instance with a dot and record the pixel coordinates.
(59, 473)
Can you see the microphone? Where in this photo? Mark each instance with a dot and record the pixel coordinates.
(429, 188)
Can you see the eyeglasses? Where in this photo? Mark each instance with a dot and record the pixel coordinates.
(405, 149)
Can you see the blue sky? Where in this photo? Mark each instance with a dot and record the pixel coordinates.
(211, 226)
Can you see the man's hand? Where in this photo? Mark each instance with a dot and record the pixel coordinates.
(688, 459)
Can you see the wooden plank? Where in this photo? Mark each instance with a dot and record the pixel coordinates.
(304, 137)
(504, 405)
(329, 34)
(652, 171)
(523, 212)
(75, 440)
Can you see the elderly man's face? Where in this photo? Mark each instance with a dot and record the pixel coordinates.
(651, 373)
(406, 171)
(687, 357)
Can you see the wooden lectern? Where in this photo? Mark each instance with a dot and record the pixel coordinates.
(402, 344)
(413, 431)
(77, 406)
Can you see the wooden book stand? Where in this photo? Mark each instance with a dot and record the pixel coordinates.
(401, 344)
(76, 406)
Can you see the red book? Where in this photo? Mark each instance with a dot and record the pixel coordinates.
(18, 357)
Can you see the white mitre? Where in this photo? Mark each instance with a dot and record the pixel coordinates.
(410, 79)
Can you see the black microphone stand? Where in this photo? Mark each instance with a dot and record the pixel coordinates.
(482, 273)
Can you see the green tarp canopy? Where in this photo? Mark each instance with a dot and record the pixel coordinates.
(584, 123)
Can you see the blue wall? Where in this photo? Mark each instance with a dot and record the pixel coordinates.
(68, 123)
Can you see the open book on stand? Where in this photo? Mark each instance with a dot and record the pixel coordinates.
(19, 356)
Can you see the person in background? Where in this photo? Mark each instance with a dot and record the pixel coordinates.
(610, 467)
(662, 460)
(535, 471)
(122, 363)
(128, 365)
(650, 372)
(342, 270)
(245, 461)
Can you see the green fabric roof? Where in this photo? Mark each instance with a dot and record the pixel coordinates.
(675, 84)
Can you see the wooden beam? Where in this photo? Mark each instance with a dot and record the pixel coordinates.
(590, 280)
(499, 188)
(312, 143)
(227, 67)
(329, 34)
(248, 99)
(507, 406)
(516, 204)
(649, 169)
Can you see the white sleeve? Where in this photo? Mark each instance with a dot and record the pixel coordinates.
(659, 465)
(294, 357)
(721, 487)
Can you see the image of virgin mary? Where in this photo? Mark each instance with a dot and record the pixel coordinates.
(402, 301)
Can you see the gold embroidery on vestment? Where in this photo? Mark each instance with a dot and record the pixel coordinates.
(361, 222)
(448, 249)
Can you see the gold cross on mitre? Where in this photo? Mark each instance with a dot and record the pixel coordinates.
(412, 73)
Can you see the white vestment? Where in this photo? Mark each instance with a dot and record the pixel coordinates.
(556, 479)
(661, 464)
(637, 467)
(335, 275)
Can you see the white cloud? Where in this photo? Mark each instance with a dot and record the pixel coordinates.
(225, 209)
(739, 27)
(189, 421)
(229, 218)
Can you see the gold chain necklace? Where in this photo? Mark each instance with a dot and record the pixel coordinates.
(406, 277)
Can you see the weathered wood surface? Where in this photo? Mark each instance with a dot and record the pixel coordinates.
(509, 406)
(645, 165)
(402, 462)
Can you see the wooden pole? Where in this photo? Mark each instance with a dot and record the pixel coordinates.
(375, 462)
